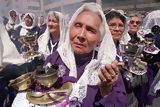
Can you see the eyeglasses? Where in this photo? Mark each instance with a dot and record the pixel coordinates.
(115, 26)
(137, 22)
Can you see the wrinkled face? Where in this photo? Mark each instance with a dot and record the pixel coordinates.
(53, 24)
(85, 32)
(116, 27)
(13, 15)
(28, 21)
(134, 24)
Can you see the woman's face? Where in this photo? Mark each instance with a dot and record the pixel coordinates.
(53, 24)
(13, 15)
(134, 24)
(116, 27)
(85, 32)
(28, 21)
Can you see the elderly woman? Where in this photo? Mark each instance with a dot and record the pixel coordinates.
(134, 24)
(117, 22)
(119, 29)
(94, 75)
(49, 40)
(26, 28)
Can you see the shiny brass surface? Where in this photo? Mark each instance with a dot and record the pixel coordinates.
(48, 97)
(47, 79)
(30, 42)
(22, 82)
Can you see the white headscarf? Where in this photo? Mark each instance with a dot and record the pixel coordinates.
(8, 51)
(44, 38)
(153, 18)
(125, 36)
(106, 53)
(24, 30)
(10, 21)
(33, 18)
(9, 25)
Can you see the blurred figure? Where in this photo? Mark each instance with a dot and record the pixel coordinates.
(151, 28)
(154, 36)
(48, 42)
(150, 32)
(149, 21)
(21, 17)
(12, 65)
(5, 20)
(42, 24)
(26, 28)
(10, 60)
(13, 21)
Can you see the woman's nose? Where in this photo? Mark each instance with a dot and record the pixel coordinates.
(117, 28)
(82, 34)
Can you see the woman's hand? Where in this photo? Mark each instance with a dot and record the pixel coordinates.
(108, 75)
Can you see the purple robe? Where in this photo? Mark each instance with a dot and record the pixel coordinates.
(117, 98)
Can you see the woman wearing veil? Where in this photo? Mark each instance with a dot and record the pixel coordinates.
(51, 38)
(149, 90)
(119, 29)
(150, 27)
(12, 22)
(12, 64)
(117, 23)
(94, 74)
(26, 28)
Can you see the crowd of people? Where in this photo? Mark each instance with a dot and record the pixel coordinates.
(112, 59)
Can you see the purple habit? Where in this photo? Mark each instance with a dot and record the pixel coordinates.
(117, 98)
(141, 92)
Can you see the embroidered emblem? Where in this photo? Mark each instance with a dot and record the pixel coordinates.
(62, 70)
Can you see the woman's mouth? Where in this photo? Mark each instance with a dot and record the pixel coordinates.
(79, 45)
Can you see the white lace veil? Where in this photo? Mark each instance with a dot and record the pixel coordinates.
(10, 21)
(44, 38)
(33, 18)
(153, 18)
(11, 24)
(125, 36)
(106, 53)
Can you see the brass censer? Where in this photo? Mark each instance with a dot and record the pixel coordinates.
(28, 47)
